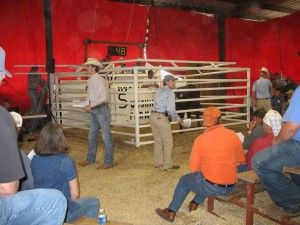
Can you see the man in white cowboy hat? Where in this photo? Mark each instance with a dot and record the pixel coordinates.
(98, 97)
(261, 91)
(40, 206)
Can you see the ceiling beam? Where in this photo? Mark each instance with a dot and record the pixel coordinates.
(238, 12)
(261, 4)
(267, 6)
(170, 5)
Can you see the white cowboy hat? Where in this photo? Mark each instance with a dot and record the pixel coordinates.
(2, 63)
(264, 70)
(93, 61)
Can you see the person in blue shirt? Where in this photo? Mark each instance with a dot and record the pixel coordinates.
(52, 168)
(164, 107)
(285, 151)
(41, 206)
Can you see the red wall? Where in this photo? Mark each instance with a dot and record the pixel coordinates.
(173, 35)
(182, 35)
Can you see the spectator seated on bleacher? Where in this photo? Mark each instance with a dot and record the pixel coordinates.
(285, 151)
(289, 95)
(262, 142)
(26, 183)
(255, 128)
(213, 170)
(280, 81)
(277, 101)
(290, 85)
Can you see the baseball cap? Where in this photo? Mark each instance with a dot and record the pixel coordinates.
(17, 118)
(272, 115)
(210, 114)
(2, 63)
(169, 77)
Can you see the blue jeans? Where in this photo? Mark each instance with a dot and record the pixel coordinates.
(100, 119)
(34, 207)
(88, 207)
(268, 165)
(34, 95)
(195, 182)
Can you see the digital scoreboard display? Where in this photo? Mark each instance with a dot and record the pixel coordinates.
(117, 50)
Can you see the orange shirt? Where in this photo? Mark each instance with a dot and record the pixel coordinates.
(216, 153)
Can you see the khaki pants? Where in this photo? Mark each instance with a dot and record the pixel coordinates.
(263, 103)
(163, 140)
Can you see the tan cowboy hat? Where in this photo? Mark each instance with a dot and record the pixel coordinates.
(93, 61)
(264, 70)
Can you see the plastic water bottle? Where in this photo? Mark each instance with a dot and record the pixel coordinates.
(102, 217)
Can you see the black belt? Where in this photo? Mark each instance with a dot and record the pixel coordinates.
(218, 185)
(159, 112)
(262, 98)
(99, 106)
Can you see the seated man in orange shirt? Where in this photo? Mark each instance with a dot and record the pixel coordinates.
(213, 165)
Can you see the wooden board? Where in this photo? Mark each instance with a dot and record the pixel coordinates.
(240, 192)
(249, 176)
(94, 221)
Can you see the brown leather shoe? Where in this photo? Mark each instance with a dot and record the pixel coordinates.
(84, 163)
(104, 167)
(193, 206)
(166, 214)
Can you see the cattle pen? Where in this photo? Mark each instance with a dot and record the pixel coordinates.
(219, 84)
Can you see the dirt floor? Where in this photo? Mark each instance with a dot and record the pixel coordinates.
(133, 189)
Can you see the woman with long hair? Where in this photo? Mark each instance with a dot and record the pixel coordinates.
(52, 168)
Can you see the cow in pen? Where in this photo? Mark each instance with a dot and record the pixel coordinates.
(189, 104)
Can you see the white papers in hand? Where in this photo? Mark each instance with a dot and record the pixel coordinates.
(187, 123)
(31, 154)
(241, 136)
(80, 102)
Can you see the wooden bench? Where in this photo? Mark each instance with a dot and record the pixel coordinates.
(93, 221)
(271, 211)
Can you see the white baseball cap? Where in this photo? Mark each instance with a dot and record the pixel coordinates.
(2, 63)
(17, 118)
(272, 115)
